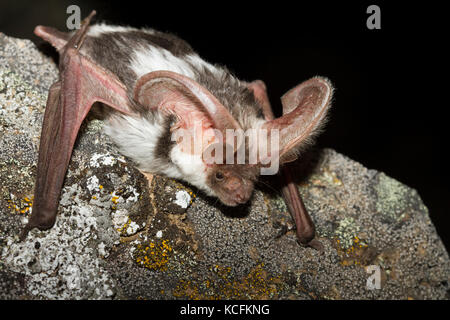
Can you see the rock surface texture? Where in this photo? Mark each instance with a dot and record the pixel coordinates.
(121, 234)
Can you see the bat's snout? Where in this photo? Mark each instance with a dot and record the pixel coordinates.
(236, 193)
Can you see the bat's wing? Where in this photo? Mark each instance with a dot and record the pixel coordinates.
(260, 92)
(304, 225)
(81, 83)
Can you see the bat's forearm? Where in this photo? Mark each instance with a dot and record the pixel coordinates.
(304, 224)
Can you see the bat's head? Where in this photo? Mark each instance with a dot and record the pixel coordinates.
(232, 184)
(230, 171)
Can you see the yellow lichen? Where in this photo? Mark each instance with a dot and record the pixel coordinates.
(351, 255)
(154, 256)
(124, 228)
(257, 284)
(183, 187)
(331, 177)
(22, 206)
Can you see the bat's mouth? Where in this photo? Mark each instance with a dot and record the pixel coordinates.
(234, 200)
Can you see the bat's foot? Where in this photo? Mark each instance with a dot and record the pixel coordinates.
(283, 226)
(315, 244)
(306, 238)
(46, 221)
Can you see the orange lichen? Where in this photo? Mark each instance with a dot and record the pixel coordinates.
(257, 284)
(154, 256)
(21, 206)
(180, 186)
(123, 229)
(354, 254)
(115, 199)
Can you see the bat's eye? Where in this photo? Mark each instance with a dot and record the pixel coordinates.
(219, 176)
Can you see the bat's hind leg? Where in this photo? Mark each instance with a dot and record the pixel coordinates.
(41, 217)
(82, 82)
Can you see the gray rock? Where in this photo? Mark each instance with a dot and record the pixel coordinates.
(121, 234)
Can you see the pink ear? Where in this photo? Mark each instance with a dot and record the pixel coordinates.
(198, 111)
(304, 110)
(165, 89)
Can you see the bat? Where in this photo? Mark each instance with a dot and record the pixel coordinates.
(170, 111)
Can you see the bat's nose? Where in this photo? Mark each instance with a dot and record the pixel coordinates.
(240, 198)
(233, 184)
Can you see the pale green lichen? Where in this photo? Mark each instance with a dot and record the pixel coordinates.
(353, 254)
(331, 177)
(392, 197)
(279, 204)
(2, 83)
(346, 232)
(18, 94)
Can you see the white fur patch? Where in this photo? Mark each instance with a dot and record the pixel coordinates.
(137, 138)
(98, 29)
(199, 63)
(147, 59)
(192, 168)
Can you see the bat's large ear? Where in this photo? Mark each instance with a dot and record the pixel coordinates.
(304, 110)
(165, 88)
(196, 108)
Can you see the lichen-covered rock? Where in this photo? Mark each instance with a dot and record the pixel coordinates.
(121, 234)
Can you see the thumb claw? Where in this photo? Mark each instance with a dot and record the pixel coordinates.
(316, 244)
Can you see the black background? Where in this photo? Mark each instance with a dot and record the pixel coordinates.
(389, 111)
